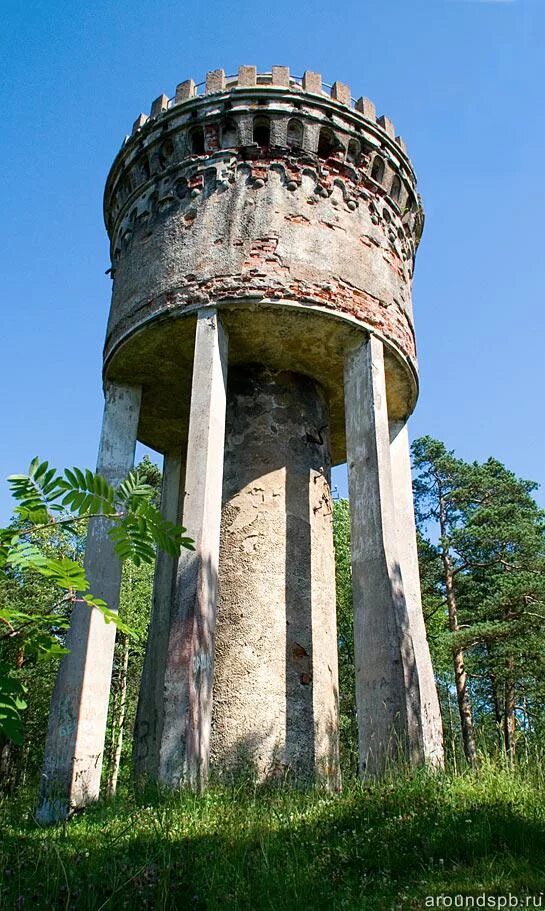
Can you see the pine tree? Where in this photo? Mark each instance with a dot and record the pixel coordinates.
(483, 556)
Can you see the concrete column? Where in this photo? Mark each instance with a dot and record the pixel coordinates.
(184, 749)
(276, 686)
(387, 686)
(148, 725)
(432, 729)
(79, 706)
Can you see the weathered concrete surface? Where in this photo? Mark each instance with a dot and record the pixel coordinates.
(275, 689)
(387, 685)
(185, 738)
(148, 726)
(429, 711)
(79, 706)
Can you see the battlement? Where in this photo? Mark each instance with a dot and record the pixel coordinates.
(250, 127)
(279, 79)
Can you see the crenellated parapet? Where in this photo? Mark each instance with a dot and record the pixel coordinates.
(279, 78)
(269, 118)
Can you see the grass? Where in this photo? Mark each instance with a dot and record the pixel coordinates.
(378, 846)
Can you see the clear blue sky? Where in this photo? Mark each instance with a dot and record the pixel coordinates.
(463, 81)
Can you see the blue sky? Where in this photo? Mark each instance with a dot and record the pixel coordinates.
(463, 81)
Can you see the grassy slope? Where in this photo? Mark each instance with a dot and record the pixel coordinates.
(376, 847)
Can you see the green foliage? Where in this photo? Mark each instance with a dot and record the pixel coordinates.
(151, 474)
(46, 498)
(345, 633)
(374, 847)
(12, 702)
(49, 507)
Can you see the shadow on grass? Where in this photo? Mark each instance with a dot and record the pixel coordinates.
(387, 846)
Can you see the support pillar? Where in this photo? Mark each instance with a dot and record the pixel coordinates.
(185, 741)
(432, 729)
(148, 725)
(387, 686)
(79, 707)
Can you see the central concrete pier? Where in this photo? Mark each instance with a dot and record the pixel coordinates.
(276, 682)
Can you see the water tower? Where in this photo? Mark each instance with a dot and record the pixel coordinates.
(263, 232)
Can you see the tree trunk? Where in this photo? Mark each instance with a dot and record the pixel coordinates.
(460, 676)
(118, 718)
(509, 721)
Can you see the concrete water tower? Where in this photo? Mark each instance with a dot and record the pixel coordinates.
(263, 232)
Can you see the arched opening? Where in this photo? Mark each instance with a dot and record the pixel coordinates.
(295, 134)
(262, 131)
(229, 135)
(354, 150)
(395, 192)
(377, 171)
(196, 141)
(326, 143)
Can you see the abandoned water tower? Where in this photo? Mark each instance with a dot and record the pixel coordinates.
(263, 232)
